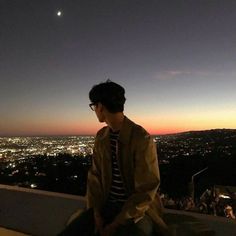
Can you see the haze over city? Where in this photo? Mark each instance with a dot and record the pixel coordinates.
(176, 60)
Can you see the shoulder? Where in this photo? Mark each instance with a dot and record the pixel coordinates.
(140, 133)
(101, 132)
(141, 140)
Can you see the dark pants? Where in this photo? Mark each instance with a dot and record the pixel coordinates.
(84, 224)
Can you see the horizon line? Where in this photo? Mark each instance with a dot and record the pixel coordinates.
(70, 135)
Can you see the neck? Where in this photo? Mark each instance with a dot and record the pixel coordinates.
(115, 121)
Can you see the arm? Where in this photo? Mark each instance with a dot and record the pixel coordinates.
(94, 186)
(94, 189)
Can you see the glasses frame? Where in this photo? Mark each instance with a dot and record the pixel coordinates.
(92, 106)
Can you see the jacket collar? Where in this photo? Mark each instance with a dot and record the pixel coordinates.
(125, 131)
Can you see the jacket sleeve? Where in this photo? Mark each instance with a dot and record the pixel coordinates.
(146, 180)
(94, 186)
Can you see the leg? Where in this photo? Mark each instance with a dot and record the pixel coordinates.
(83, 225)
(144, 227)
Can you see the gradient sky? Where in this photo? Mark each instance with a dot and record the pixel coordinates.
(176, 60)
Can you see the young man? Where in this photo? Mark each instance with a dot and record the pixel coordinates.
(124, 178)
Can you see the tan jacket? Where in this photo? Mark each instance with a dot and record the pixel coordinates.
(138, 164)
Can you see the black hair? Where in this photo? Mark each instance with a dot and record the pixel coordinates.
(109, 94)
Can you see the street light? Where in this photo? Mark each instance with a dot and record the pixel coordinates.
(192, 182)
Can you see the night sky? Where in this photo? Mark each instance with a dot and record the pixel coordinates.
(176, 60)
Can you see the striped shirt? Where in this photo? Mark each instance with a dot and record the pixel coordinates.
(117, 191)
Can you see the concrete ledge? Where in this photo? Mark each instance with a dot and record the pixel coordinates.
(42, 213)
(36, 212)
(191, 224)
(185, 225)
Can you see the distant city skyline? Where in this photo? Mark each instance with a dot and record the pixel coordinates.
(176, 60)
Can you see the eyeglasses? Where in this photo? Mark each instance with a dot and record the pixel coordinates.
(93, 106)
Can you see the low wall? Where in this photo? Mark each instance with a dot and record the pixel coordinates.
(42, 213)
(36, 212)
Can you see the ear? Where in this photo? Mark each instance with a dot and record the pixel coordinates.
(100, 107)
